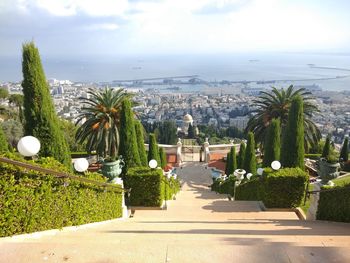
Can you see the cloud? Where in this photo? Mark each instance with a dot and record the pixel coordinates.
(221, 7)
(103, 26)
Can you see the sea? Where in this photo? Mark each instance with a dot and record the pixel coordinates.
(329, 71)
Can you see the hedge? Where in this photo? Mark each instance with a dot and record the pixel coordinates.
(249, 191)
(149, 187)
(313, 156)
(224, 186)
(334, 205)
(284, 188)
(31, 201)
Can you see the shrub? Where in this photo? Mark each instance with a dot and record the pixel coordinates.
(32, 201)
(224, 186)
(284, 188)
(149, 187)
(313, 156)
(249, 190)
(334, 205)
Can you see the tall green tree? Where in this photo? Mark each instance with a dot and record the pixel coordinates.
(241, 154)
(102, 113)
(190, 132)
(327, 148)
(292, 152)
(4, 146)
(162, 157)
(17, 100)
(276, 104)
(3, 93)
(153, 152)
(344, 153)
(41, 120)
(140, 143)
(249, 162)
(167, 132)
(128, 144)
(232, 162)
(227, 167)
(272, 145)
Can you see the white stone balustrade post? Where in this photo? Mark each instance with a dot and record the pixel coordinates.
(178, 152)
(206, 151)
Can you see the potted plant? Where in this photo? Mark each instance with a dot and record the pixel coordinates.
(100, 118)
(328, 165)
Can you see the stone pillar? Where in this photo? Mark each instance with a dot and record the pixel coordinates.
(119, 181)
(206, 151)
(178, 152)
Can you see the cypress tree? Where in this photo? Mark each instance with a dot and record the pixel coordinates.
(4, 146)
(140, 143)
(153, 149)
(162, 157)
(40, 116)
(190, 131)
(326, 152)
(272, 145)
(228, 159)
(128, 143)
(293, 152)
(233, 161)
(249, 162)
(240, 157)
(344, 153)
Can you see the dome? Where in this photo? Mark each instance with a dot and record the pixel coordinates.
(188, 118)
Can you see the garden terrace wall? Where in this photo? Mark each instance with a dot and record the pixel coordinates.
(334, 205)
(32, 201)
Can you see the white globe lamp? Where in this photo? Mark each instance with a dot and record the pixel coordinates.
(260, 171)
(276, 165)
(249, 175)
(81, 165)
(152, 164)
(28, 146)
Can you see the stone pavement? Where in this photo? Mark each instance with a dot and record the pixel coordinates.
(200, 226)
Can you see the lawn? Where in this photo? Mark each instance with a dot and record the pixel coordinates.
(341, 181)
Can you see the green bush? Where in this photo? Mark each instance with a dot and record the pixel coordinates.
(224, 186)
(284, 188)
(334, 205)
(149, 187)
(313, 156)
(32, 201)
(249, 190)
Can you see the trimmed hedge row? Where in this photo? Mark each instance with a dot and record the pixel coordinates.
(149, 187)
(284, 188)
(224, 186)
(334, 205)
(32, 202)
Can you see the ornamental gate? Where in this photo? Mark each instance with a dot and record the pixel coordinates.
(191, 153)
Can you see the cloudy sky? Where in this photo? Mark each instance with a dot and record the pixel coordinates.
(114, 27)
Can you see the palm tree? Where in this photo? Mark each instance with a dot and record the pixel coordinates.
(102, 118)
(276, 104)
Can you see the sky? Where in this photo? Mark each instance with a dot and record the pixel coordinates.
(123, 27)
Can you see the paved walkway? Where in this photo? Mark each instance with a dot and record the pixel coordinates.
(200, 226)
